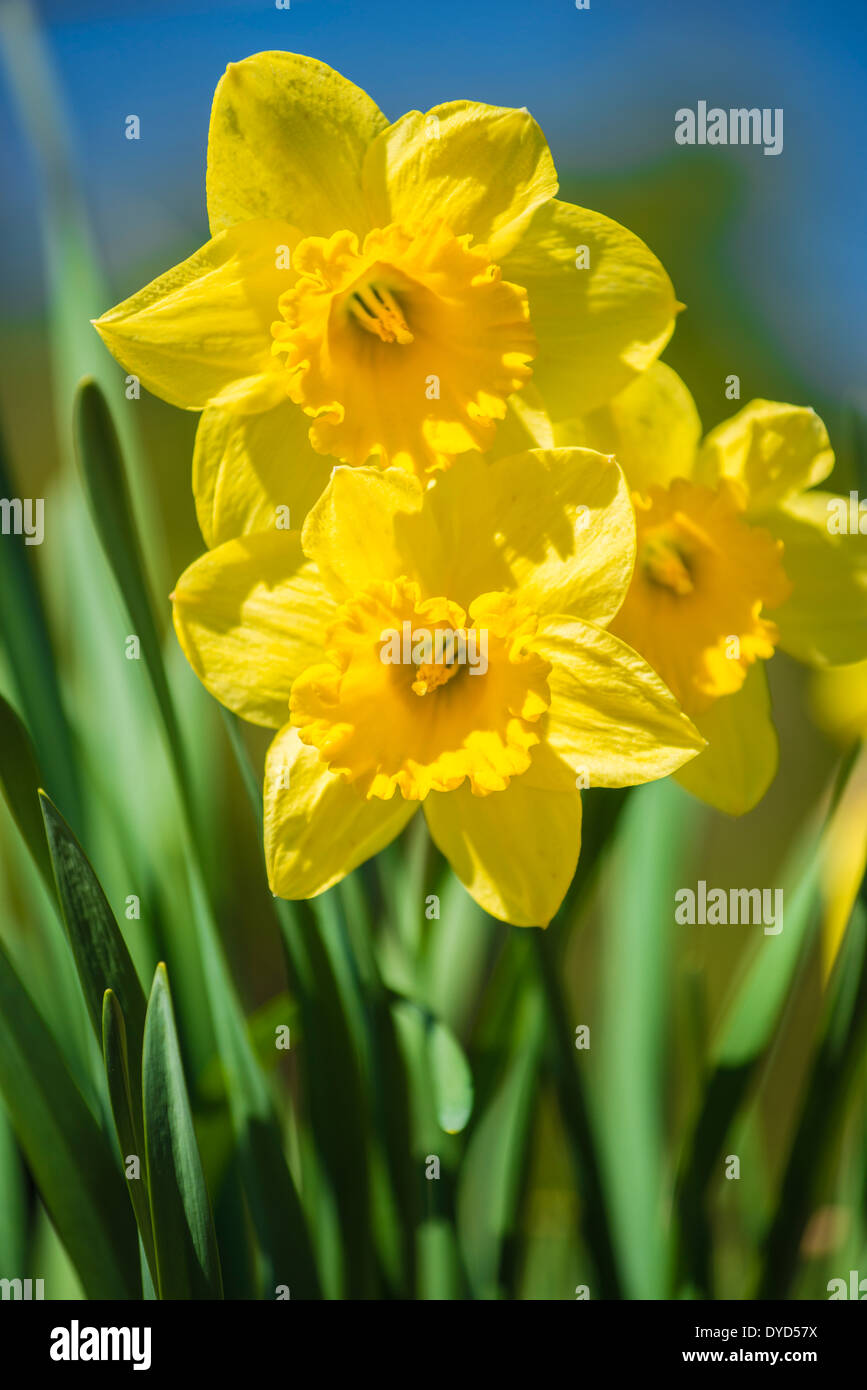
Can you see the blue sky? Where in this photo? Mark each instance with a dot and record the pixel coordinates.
(604, 84)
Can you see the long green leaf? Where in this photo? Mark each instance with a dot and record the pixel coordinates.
(71, 1161)
(640, 882)
(273, 1200)
(743, 1040)
(493, 1169)
(188, 1263)
(19, 780)
(830, 1086)
(101, 954)
(25, 638)
(101, 463)
(127, 1117)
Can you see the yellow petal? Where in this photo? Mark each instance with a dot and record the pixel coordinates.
(250, 617)
(740, 761)
(287, 139)
(611, 719)
(370, 526)
(527, 425)
(317, 827)
(652, 428)
(201, 334)
(556, 524)
(482, 168)
(770, 449)
(515, 851)
(597, 327)
(824, 622)
(246, 467)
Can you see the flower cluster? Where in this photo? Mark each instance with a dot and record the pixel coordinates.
(447, 378)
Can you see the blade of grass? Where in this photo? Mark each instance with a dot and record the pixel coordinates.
(492, 1172)
(387, 1077)
(601, 817)
(14, 1215)
(99, 456)
(829, 1089)
(101, 955)
(275, 1207)
(25, 637)
(70, 1158)
(736, 1057)
(628, 1101)
(329, 1058)
(269, 1186)
(128, 1116)
(188, 1263)
(19, 780)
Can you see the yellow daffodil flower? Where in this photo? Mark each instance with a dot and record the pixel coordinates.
(727, 530)
(378, 292)
(529, 556)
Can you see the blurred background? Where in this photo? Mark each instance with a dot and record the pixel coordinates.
(767, 254)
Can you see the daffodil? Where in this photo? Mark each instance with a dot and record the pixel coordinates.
(533, 555)
(738, 553)
(379, 293)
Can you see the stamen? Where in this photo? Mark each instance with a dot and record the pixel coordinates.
(666, 565)
(376, 309)
(432, 674)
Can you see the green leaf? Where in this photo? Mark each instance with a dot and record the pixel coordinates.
(327, 1054)
(750, 1022)
(127, 1116)
(451, 1076)
(274, 1202)
(69, 1156)
(14, 1217)
(447, 1074)
(188, 1264)
(19, 781)
(101, 462)
(493, 1171)
(831, 1085)
(746, 1035)
(25, 638)
(100, 952)
(275, 1207)
(640, 880)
